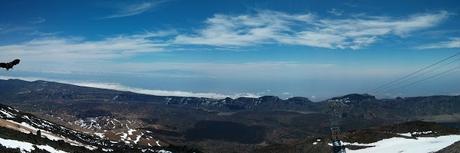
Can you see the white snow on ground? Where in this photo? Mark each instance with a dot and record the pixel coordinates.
(317, 140)
(124, 136)
(164, 151)
(156, 151)
(50, 135)
(90, 147)
(27, 128)
(26, 146)
(107, 150)
(130, 131)
(138, 138)
(7, 114)
(100, 135)
(404, 145)
(24, 124)
(50, 149)
(158, 143)
(423, 132)
(410, 134)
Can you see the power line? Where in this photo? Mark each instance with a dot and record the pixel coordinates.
(422, 74)
(414, 73)
(430, 77)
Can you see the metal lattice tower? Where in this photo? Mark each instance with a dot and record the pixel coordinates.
(336, 110)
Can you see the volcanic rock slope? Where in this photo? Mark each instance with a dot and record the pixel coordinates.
(24, 132)
(214, 125)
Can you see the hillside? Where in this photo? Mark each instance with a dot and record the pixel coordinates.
(215, 125)
(23, 132)
(408, 137)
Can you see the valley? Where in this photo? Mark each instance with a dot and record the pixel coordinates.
(214, 125)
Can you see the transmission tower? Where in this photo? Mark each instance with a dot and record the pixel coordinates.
(336, 109)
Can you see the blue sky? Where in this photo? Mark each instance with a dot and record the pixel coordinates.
(316, 49)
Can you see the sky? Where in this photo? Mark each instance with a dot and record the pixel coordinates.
(232, 48)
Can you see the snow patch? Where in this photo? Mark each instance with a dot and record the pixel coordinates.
(107, 150)
(138, 138)
(158, 143)
(27, 128)
(398, 145)
(124, 136)
(26, 125)
(50, 149)
(100, 135)
(130, 131)
(164, 151)
(7, 114)
(408, 134)
(26, 146)
(411, 134)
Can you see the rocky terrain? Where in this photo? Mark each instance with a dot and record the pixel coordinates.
(415, 136)
(454, 148)
(216, 125)
(23, 132)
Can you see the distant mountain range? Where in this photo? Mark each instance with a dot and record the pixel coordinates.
(215, 125)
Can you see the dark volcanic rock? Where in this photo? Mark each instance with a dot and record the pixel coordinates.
(285, 120)
(298, 100)
(454, 148)
(355, 97)
(227, 131)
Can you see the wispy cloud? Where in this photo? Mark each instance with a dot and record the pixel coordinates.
(79, 49)
(234, 31)
(29, 27)
(452, 43)
(38, 20)
(305, 29)
(244, 30)
(8, 29)
(134, 9)
(335, 12)
(67, 54)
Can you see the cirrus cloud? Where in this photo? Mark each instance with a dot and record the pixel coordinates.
(305, 29)
(79, 49)
(452, 43)
(134, 9)
(262, 27)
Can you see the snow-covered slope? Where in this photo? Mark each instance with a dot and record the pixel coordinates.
(13, 119)
(406, 145)
(27, 133)
(26, 146)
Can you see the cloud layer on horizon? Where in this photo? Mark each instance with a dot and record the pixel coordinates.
(119, 87)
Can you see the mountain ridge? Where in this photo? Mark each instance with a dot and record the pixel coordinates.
(174, 120)
(269, 98)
